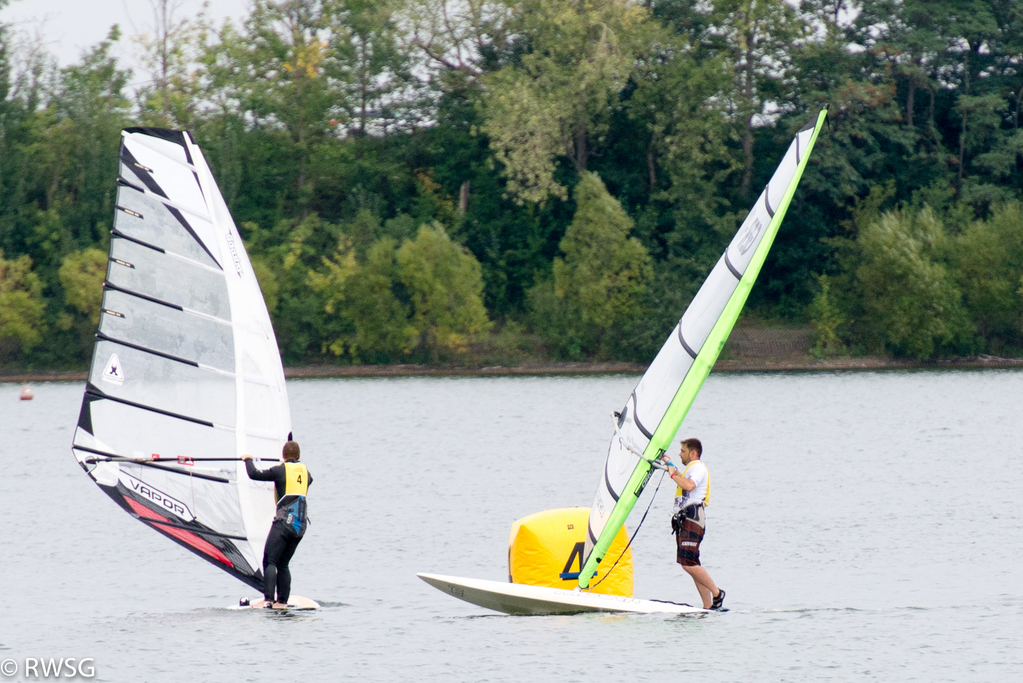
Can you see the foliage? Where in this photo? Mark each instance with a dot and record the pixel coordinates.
(826, 318)
(602, 277)
(911, 304)
(406, 172)
(81, 275)
(21, 306)
(445, 286)
(420, 299)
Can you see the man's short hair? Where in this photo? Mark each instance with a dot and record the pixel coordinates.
(291, 451)
(694, 445)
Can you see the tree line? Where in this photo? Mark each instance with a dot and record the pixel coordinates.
(496, 180)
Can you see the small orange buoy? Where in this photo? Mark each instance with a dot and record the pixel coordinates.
(26, 393)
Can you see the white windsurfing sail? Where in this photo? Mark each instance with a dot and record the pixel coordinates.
(186, 375)
(655, 410)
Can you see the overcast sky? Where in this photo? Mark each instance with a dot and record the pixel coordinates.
(68, 27)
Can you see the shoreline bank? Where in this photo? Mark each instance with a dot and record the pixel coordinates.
(801, 364)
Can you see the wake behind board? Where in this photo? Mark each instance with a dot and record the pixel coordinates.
(522, 599)
(296, 602)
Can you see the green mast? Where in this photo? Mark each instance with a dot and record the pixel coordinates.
(722, 296)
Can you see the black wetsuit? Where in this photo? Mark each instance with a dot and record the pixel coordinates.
(282, 541)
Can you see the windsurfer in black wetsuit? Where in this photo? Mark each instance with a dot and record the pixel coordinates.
(292, 480)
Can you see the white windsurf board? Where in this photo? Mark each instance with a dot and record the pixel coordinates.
(295, 602)
(518, 598)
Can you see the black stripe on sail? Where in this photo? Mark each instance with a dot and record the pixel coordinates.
(682, 340)
(175, 136)
(810, 125)
(635, 418)
(161, 354)
(187, 138)
(593, 540)
(95, 391)
(732, 269)
(125, 183)
(181, 219)
(198, 184)
(142, 172)
(117, 233)
(607, 482)
(85, 415)
(797, 149)
(767, 200)
(111, 285)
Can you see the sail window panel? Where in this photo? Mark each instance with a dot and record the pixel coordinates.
(749, 236)
(707, 306)
(661, 381)
(157, 226)
(177, 180)
(211, 503)
(163, 384)
(169, 279)
(137, 433)
(782, 177)
(168, 330)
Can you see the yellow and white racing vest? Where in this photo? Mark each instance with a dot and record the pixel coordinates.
(700, 475)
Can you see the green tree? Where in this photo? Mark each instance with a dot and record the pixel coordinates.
(383, 331)
(169, 53)
(555, 100)
(911, 304)
(987, 261)
(445, 285)
(22, 308)
(604, 270)
(81, 275)
(827, 319)
(756, 38)
(365, 61)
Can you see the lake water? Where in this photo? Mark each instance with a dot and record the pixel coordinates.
(866, 526)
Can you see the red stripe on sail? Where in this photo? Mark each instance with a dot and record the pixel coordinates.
(188, 537)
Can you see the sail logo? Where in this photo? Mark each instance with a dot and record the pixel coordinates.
(752, 233)
(234, 253)
(168, 503)
(113, 372)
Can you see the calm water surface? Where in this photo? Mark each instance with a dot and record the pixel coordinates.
(866, 526)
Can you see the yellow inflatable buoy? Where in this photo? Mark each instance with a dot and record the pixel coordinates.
(546, 549)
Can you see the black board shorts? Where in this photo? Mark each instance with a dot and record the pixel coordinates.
(689, 535)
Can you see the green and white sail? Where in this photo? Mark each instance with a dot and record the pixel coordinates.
(654, 412)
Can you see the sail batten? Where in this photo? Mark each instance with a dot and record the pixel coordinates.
(182, 344)
(666, 391)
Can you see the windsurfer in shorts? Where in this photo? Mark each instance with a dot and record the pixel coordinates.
(291, 480)
(689, 519)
